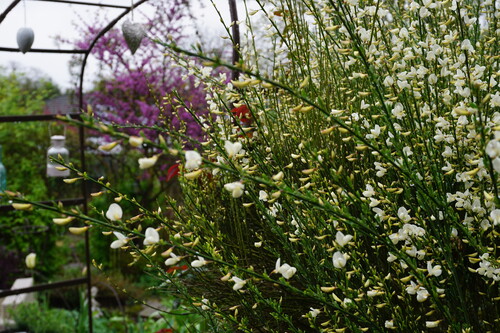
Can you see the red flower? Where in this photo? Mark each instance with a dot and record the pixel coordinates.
(173, 269)
(243, 114)
(165, 330)
(172, 171)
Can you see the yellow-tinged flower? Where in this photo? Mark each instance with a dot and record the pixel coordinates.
(238, 283)
(193, 175)
(71, 180)
(279, 176)
(432, 324)
(22, 206)
(63, 220)
(78, 231)
(31, 260)
(241, 84)
(147, 162)
(135, 141)
(114, 212)
(236, 189)
(173, 260)
(108, 146)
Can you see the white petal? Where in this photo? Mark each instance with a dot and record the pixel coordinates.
(114, 212)
(232, 148)
(119, 235)
(147, 162)
(172, 261)
(152, 236)
(193, 160)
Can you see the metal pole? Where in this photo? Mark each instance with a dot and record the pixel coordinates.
(82, 146)
(235, 29)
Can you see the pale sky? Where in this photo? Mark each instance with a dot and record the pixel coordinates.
(50, 19)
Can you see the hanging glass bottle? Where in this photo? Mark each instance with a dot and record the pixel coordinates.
(57, 150)
(3, 174)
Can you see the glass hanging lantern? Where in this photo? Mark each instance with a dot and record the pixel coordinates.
(58, 151)
(3, 174)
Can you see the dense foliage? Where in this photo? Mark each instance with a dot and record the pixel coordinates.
(348, 180)
(24, 156)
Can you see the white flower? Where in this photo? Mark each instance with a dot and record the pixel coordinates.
(314, 312)
(147, 162)
(152, 236)
(398, 110)
(193, 160)
(285, 270)
(172, 260)
(388, 81)
(199, 262)
(339, 259)
(232, 148)
(432, 324)
(263, 196)
(31, 260)
(422, 294)
(114, 212)
(403, 214)
(391, 257)
(467, 46)
(493, 148)
(204, 304)
(495, 216)
(389, 324)
(496, 164)
(369, 191)
(135, 141)
(238, 283)
(436, 270)
(342, 239)
(235, 188)
(412, 288)
(380, 169)
(374, 133)
(121, 240)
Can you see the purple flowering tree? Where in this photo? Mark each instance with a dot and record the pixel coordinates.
(131, 88)
(133, 91)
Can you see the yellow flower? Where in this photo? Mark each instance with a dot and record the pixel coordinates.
(147, 162)
(135, 141)
(78, 231)
(63, 220)
(31, 260)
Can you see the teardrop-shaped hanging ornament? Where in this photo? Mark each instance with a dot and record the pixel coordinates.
(133, 34)
(25, 38)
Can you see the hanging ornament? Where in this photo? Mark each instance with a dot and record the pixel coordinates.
(25, 38)
(57, 150)
(133, 34)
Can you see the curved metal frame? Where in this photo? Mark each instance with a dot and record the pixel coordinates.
(86, 53)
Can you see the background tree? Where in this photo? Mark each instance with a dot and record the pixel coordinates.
(23, 92)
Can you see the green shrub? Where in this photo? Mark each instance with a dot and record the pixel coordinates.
(349, 179)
